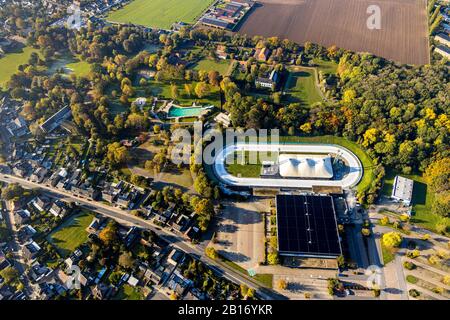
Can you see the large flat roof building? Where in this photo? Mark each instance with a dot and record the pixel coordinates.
(307, 226)
(402, 189)
(305, 166)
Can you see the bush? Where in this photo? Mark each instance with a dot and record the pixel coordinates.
(446, 280)
(211, 253)
(384, 221)
(392, 239)
(414, 293)
(408, 265)
(411, 279)
(413, 254)
(365, 232)
(282, 284)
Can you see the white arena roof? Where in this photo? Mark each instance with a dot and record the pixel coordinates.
(305, 166)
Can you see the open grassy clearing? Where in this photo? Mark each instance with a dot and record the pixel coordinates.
(245, 165)
(71, 233)
(163, 90)
(327, 67)
(79, 68)
(301, 87)
(127, 292)
(388, 254)
(159, 13)
(220, 66)
(11, 61)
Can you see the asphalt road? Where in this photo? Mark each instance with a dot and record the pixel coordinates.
(176, 240)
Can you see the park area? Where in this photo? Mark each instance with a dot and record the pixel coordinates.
(403, 36)
(159, 13)
(11, 61)
(71, 233)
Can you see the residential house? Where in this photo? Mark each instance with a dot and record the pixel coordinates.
(40, 204)
(38, 175)
(58, 209)
(31, 250)
(269, 82)
(22, 216)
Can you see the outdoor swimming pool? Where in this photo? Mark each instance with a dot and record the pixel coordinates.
(180, 112)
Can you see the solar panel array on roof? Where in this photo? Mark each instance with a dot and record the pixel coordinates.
(307, 226)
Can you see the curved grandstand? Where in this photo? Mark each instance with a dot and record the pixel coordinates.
(298, 166)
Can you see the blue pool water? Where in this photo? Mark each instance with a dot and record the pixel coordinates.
(175, 112)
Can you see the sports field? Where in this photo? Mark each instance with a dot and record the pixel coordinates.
(159, 13)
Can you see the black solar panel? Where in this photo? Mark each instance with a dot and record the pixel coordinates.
(307, 226)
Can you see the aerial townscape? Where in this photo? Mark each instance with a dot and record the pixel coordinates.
(224, 150)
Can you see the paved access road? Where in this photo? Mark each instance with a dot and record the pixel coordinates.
(350, 180)
(125, 218)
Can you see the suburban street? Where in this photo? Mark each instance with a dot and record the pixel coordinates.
(125, 218)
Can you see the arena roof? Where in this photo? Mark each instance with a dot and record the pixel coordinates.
(305, 166)
(307, 226)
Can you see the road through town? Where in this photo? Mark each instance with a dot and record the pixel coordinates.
(176, 240)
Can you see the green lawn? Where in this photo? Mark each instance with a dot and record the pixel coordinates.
(301, 87)
(162, 89)
(388, 254)
(422, 201)
(159, 13)
(71, 233)
(11, 61)
(207, 65)
(79, 68)
(327, 67)
(248, 170)
(127, 292)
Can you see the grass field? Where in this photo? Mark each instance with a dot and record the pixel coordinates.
(162, 89)
(71, 234)
(327, 67)
(79, 68)
(301, 87)
(388, 254)
(221, 66)
(159, 13)
(10, 62)
(422, 201)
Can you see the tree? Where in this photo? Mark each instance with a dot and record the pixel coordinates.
(392, 239)
(201, 89)
(282, 284)
(174, 91)
(12, 191)
(109, 233)
(211, 252)
(384, 220)
(126, 260)
(117, 154)
(9, 274)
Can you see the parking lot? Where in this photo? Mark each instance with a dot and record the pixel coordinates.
(240, 232)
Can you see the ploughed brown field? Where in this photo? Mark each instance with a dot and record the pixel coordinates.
(403, 36)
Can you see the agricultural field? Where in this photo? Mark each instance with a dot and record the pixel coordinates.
(71, 233)
(301, 86)
(159, 13)
(11, 61)
(403, 36)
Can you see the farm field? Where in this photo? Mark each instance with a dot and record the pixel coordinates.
(159, 13)
(403, 36)
(301, 87)
(71, 234)
(10, 62)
